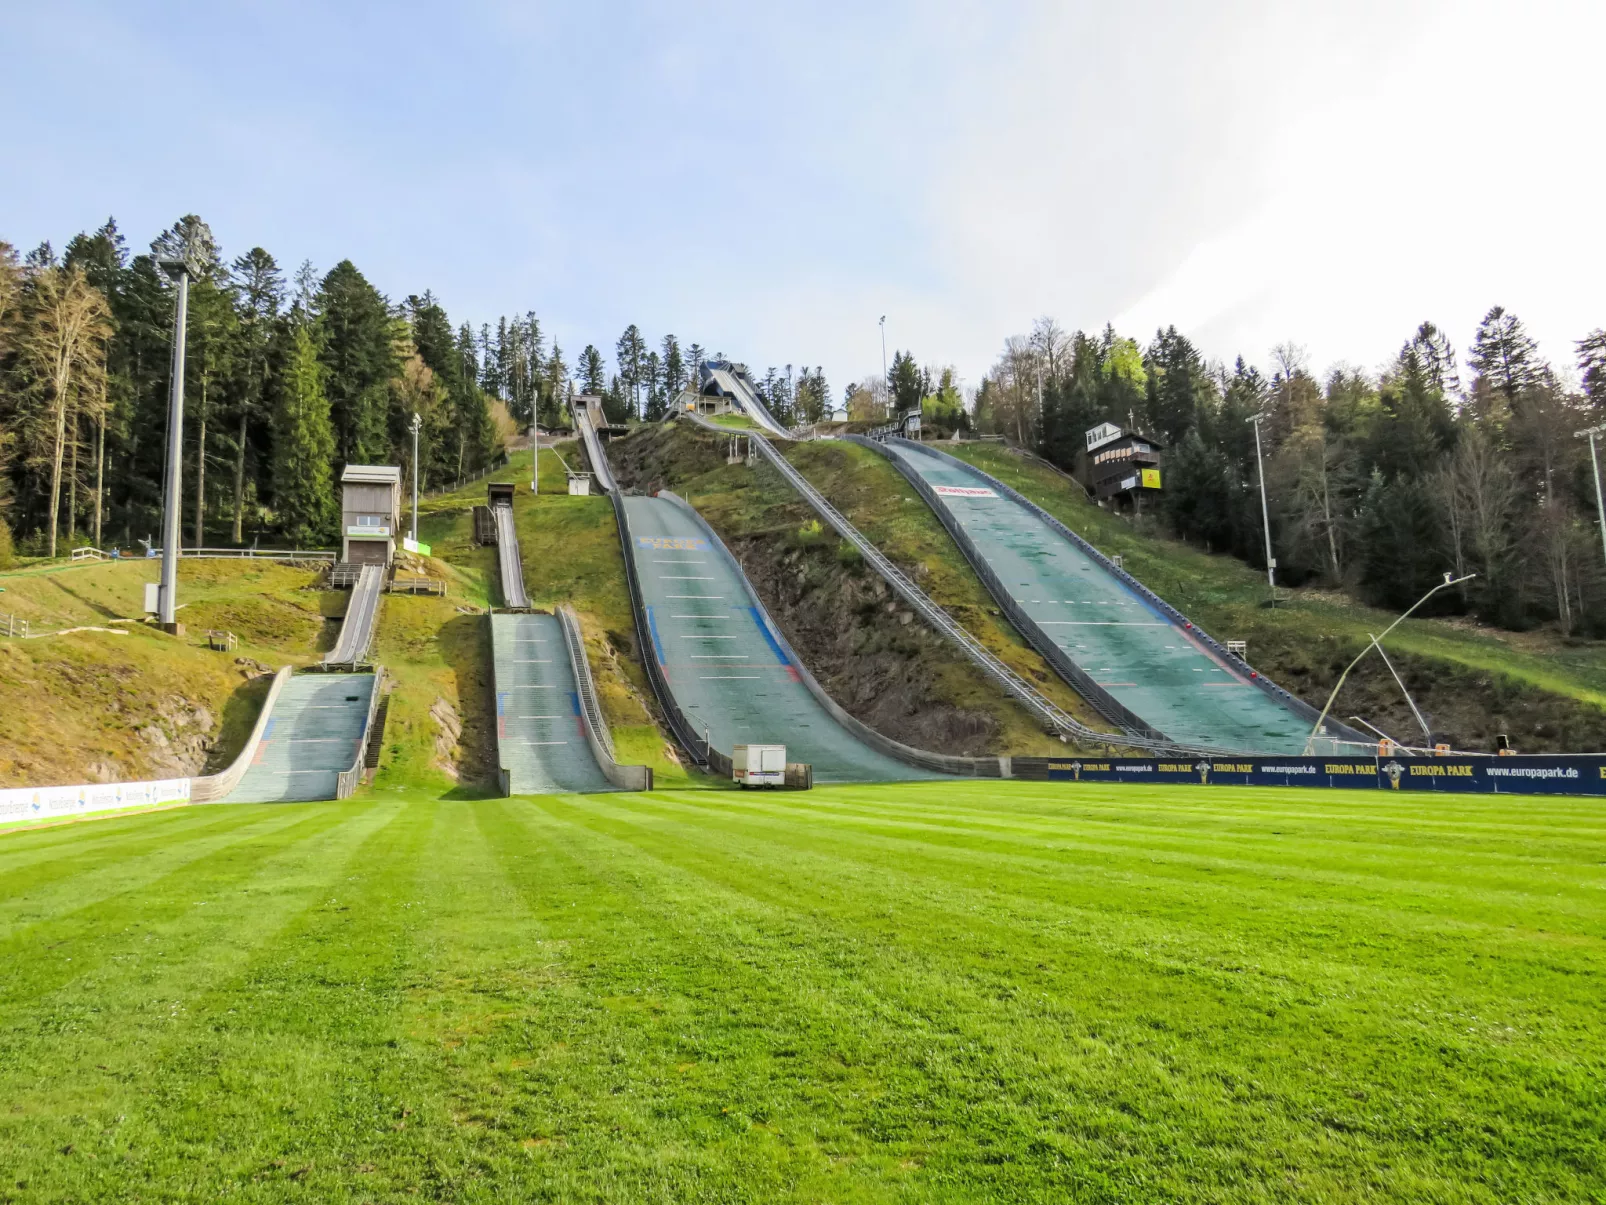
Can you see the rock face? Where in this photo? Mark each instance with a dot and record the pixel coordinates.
(177, 739)
(448, 734)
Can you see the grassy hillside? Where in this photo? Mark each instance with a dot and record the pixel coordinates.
(954, 992)
(1471, 682)
(119, 701)
(868, 650)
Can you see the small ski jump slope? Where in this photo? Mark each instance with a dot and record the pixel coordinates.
(509, 560)
(1154, 663)
(586, 424)
(539, 730)
(357, 628)
(315, 732)
(728, 670)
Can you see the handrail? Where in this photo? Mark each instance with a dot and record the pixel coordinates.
(1343, 732)
(626, 778)
(215, 788)
(347, 781)
(1050, 713)
(943, 763)
(260, 554)
(1101, 700)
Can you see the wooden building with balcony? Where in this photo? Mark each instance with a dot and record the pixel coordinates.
(1120, 465)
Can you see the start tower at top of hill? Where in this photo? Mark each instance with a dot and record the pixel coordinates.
(370, 513)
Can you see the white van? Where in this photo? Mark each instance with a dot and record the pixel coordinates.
(759, 765)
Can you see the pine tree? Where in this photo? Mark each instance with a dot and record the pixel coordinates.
(260, 288)
(1592, 367)
(593, 375)
(674, 365)
(355, 346)
(1504, 355)
(631, 353)
(304, 439)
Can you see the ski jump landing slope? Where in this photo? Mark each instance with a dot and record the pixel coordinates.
(539, 731)
(728, 670)
(1151, 660)
(317, 729)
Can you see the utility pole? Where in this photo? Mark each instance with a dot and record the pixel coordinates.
(1265, 517)
(177, 267)
(1594, 460)
(417, 422)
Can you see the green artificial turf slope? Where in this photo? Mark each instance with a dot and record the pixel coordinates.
(945, 992)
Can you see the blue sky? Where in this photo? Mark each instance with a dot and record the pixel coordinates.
(769, 179)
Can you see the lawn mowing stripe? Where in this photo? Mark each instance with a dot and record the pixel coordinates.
(90, 891)
(311, 1019)
(615, 924)
(1457, 1102)
(1496, 882)
(168, 1024)
(53, 865)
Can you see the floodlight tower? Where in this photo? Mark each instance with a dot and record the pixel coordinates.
(1594, 461)
(176, 263)
(1265, 517)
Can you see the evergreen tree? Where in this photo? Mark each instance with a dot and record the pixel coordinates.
(1176, 382)
(1505, 356)
(593, 378)
(674, 367)
(904, 382)
(356, 348)
(631, 353)
(304, 444)
(695, 357)
(1592, 367)
(259, 287)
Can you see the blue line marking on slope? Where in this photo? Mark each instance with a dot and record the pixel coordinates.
(764, 629)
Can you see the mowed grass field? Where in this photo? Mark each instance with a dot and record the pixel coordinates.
(940, 992)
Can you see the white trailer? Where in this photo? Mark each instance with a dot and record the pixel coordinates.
(759, 765)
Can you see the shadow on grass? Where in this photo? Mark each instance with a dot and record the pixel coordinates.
(465, 644)
(239, 717)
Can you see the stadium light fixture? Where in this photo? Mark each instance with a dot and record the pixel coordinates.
(1594, 460)
(177, 264)
(1265, 516)
(1377, 642)
(417, 422)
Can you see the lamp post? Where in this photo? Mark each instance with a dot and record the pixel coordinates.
(177, 266)
(1377, 642)
(884, 384)
(417, 422)
(1265, 517)
(1594, 460)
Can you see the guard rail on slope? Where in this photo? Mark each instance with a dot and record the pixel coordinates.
(215, 788)
(1341, 732)
(347, 782)
(357, 629)
(600, 468)
(1101, 700)
(598, 736)
(696, 748)
(1051, 714)
(509, 559)
(941, 763)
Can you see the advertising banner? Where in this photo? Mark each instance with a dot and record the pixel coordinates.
(46, 803)
(1151, 479)
(672, 543)
(964, 491)
(1562, 774)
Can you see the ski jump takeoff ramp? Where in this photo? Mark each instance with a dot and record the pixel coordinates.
(1065, 597)
(357, 628)
(729, 671)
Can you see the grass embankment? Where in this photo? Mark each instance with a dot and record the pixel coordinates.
(125, 702)
(956, 992)
(868, 650)
(1472, 683)
(571, 555)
